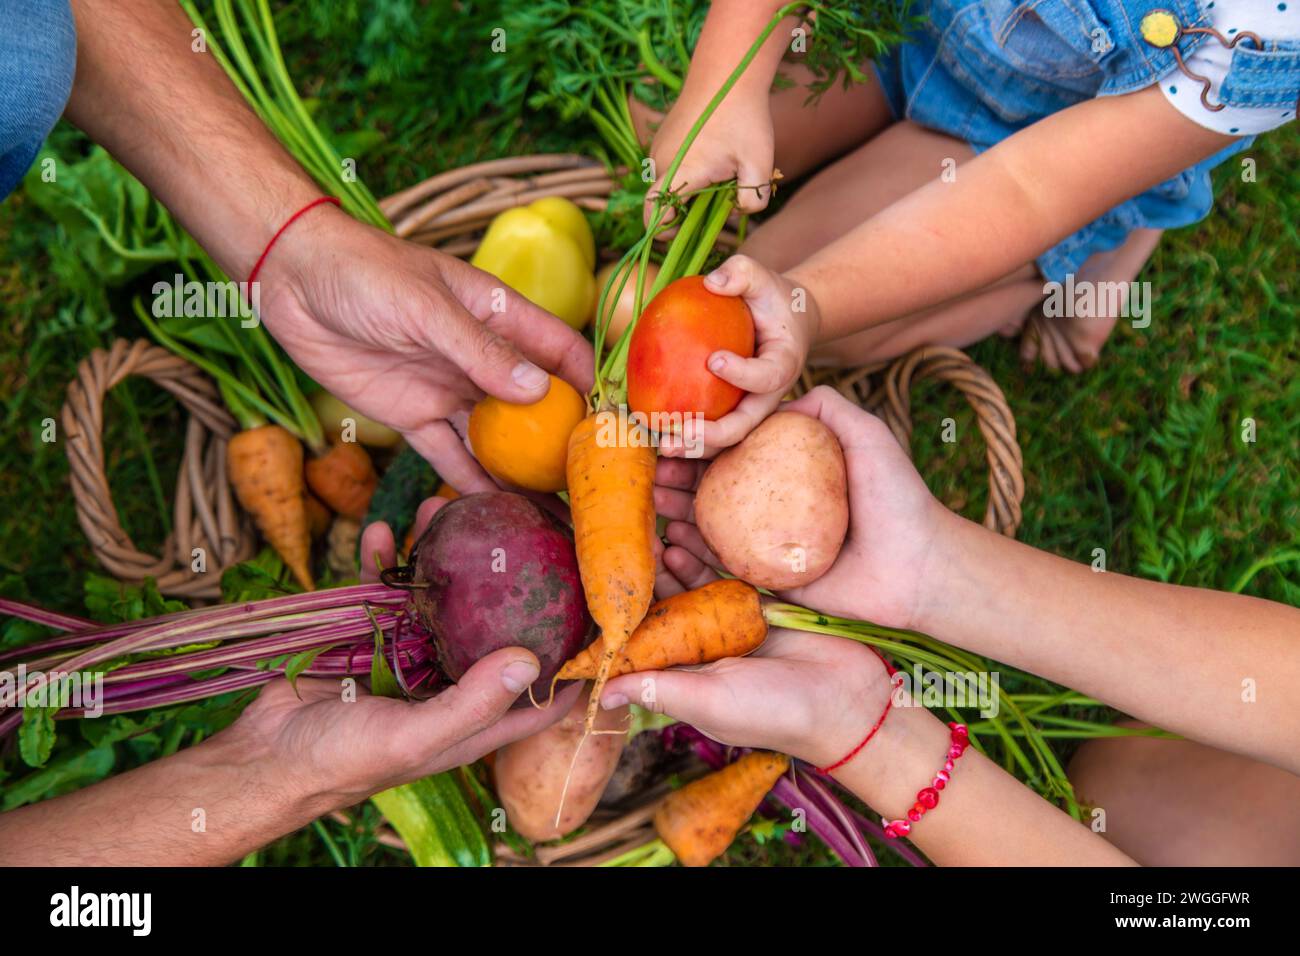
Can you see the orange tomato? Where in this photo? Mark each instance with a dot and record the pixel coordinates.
(447, 491)
(527, 445)
(677, 332)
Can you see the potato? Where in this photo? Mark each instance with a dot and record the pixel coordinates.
(775, 508)
(530, 772)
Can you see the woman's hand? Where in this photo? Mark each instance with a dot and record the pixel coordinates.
(786, 321)
(410, 336)
(806, 695)
(883, 572)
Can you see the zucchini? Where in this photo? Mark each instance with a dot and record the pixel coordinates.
(433, 818)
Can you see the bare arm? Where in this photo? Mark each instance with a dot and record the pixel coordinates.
(1176, 657)
(405, 334)
(172, 117)
(985, 817)
(287, 760)
(1214, 667)
(814, 697)
(1005, 208)
(737, 141)
(729, 29)
(205, 806)
(291, 756)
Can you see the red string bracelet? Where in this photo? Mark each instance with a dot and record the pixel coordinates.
(879, 721)
(252, 276)
(927, 798)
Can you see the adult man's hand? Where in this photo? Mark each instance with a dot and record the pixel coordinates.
(290, 757)
(410, 336)
(404, 334)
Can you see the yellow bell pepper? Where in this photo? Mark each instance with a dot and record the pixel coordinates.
(546, 252)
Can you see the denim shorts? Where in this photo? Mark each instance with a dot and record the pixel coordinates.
(956, 74)
(38, 57)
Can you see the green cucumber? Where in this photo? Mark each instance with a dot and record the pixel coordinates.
(433, 818)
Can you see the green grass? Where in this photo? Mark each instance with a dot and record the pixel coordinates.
(1141, 457)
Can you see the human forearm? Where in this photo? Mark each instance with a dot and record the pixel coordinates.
(206, 806)
(729, 29)
(1002, 210)
(1211, 666)
(171, 116)
(985, 817)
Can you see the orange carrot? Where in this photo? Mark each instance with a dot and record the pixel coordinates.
(265, 468)
(344, 478)
(699, 821)
(611, 498)
(721, 619)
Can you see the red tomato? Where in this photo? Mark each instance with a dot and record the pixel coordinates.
(667, 358)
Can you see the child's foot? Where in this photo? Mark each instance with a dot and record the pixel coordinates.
(1065, 343)
(1073, 342)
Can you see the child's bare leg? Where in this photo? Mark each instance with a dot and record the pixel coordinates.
(1068, 343)
(807, 135)
(897, 161)
(851, 190)
(1000, 308)
(1178, 803)
(1074, 342)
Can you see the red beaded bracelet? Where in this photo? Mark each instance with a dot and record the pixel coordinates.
(927, 798)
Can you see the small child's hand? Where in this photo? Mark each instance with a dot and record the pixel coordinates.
(736, 143)
(786, 321)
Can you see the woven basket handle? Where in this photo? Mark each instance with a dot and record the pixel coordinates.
(205, 515)
(891, 399)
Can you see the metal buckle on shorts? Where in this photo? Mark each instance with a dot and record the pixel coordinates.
(1161, 29)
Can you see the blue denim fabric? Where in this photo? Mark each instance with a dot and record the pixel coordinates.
(980, 70)
(38, 56)
(1268, 78)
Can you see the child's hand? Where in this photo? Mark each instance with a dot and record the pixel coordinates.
(786, 321)
(736, 143)
(806, 695)
(893, 555)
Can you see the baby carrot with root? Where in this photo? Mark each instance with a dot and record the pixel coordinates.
(611, 500)
(721, 619)
(699, 821)
(265, 469)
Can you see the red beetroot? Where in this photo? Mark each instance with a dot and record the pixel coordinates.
(500, 572)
